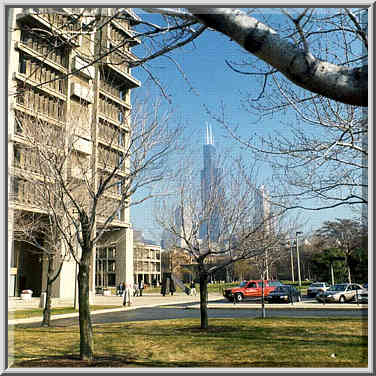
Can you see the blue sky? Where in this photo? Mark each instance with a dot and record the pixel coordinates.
(214, 83)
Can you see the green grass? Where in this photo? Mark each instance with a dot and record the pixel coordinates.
(35, 312)
(230, 343)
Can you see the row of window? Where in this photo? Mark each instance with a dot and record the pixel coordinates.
(28, 192)
(146, 254)
(38, 130)
(60, 21)
(106, 208)
(110, 158)
(146, 267)
(115, 186)
(40, 102)
(119, 37)
(112, 109)
(106, 253)
(26, 159)
(42, 73)
(119, 61)
(104, 265)
(104, 279)
(112, 86)
(46, 46)
(110, 134)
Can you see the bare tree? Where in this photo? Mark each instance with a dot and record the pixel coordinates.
(289, 53)
(221, 230)
(321, 157)
(81, 204)
(40, 231)
(344, 79)
(321, 51)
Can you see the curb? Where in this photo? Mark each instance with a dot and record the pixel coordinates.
(96, 312)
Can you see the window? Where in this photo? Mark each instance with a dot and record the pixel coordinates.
(121, 138)
(16, 187)
(22, 64)
(119, 185)
(120, 117)
(17, 157)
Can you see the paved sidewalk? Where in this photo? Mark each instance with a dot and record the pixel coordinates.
(147, 300)
(216, 301)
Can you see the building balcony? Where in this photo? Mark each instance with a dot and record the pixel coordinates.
(43, 58)
(120, 64)
(82, 92)
(56, 22)
(81, 66)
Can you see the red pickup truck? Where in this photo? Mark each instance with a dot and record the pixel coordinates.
(250, 289)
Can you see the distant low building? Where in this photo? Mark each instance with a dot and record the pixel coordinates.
(146, 260)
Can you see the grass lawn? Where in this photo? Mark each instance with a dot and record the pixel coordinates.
(227, 343)
(35, 312)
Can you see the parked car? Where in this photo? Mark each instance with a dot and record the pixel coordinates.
(362, 297)
(250, 289)
(284, 294)
(317, 287)
(341, 292)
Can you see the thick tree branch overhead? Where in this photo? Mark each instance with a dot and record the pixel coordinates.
(340, 83)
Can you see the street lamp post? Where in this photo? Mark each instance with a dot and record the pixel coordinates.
(297, 255)
(292, 263)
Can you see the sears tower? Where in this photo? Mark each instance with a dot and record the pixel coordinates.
(209, 188)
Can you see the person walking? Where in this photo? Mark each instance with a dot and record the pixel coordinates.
(193, 288)
(136, 291)
(121, 288)
(127, 295)
(141, 286)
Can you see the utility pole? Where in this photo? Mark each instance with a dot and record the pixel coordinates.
(292, 261)
(297, 255)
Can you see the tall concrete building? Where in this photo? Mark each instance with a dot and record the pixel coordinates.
(264, 218)
(209, 186)
(51, 84)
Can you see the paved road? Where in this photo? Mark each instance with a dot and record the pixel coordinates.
(188, 310)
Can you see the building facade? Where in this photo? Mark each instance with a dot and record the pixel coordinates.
(264, 218)
(209, 185)
(147, 263)
(57, 85)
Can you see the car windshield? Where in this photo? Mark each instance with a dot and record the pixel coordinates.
(282, 289)
(338, 288)
(275, 283)
(243, 284)
(317, 285)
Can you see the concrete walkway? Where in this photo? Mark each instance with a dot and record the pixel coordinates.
(153, 300)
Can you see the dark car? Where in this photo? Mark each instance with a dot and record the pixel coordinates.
(284, 294)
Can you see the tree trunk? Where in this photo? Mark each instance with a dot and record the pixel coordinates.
(47, 307)
(203, 297)
(348, 270)
(86, 329)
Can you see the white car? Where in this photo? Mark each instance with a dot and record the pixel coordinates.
(317, 287)
(342, 292)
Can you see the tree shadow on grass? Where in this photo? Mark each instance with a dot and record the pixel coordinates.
(121, 362)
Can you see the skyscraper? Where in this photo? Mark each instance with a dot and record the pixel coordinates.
(209, 183)
(264, 218)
